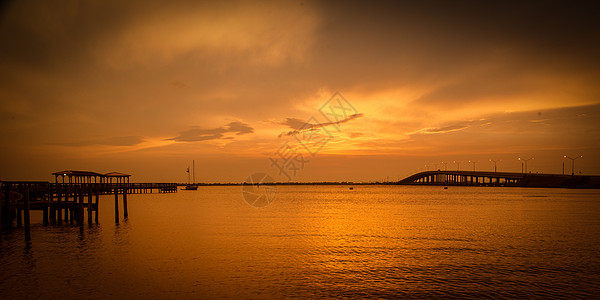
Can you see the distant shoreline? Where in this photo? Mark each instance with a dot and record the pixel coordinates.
(524, 180)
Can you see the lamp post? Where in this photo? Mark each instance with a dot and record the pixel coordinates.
(573, 163)
(495, 161)
(525, 160)
(473, 162)
(457, 165)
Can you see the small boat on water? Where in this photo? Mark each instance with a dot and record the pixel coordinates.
(191, 185)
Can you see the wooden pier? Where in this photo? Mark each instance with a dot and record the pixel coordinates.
(68, 202)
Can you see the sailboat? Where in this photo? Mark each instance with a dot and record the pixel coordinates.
(191, 186)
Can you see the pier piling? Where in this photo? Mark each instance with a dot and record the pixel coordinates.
(6, 205)
(26, 216)
(58, 205)
(126, 215)
(45, 216)
(89, 207)
(116, 205)
(81, 205)
(19, 217)
(96, 190)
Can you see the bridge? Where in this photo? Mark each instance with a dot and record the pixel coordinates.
(479, 178)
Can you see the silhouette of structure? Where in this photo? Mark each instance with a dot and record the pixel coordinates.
(478, 178)
(65, 199)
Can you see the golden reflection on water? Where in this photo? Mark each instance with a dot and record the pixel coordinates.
(320, 241)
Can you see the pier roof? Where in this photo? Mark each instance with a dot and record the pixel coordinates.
(76, 173)
(116, 174)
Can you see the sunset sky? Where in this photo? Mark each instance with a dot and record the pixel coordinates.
(145, 87)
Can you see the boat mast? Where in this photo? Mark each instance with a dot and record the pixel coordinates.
(194, 171)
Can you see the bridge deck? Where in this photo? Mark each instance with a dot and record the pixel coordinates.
(478, 178)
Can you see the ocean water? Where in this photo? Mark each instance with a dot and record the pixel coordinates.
(318, 242)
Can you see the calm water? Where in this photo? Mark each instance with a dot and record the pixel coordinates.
(319, 241)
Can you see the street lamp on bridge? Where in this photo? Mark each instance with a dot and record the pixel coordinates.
(573, 163)
(457, 165)
(473, 162)
(524, 160)
(495, 161)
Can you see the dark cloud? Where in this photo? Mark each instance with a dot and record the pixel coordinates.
(198, 134)
(239, 128)
(300, 126)
(294, 123)
(42, 35)
(435, 43)
(551, 26)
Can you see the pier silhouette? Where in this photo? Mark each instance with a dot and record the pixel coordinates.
(65, 199)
